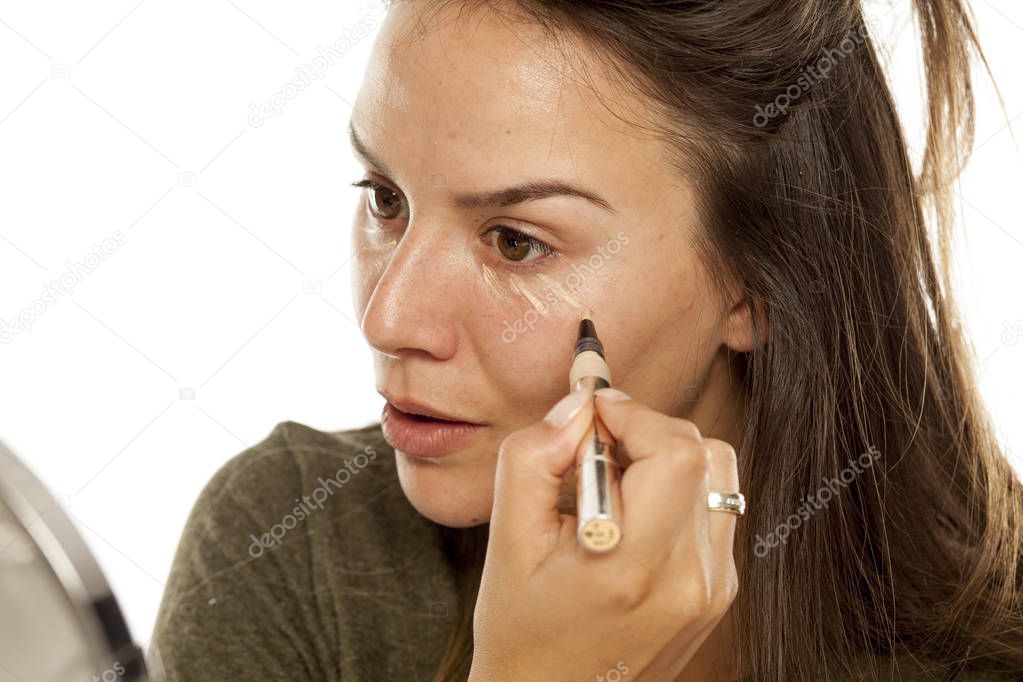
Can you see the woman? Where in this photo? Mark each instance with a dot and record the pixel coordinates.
(727, 186)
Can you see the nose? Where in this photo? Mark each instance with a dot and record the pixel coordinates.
(413, 306)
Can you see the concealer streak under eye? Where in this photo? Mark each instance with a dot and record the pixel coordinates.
(559, 290)
(490, 279)
(519, 286)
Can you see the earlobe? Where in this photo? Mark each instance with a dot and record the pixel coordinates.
(739, 333)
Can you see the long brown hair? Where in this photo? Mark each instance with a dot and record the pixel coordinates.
(810, 204)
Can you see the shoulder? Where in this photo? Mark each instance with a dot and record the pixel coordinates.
(292, 448)
(286, 485)
(295, 534)
(298, 475)
(283, 460)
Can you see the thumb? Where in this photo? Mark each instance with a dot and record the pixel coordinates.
(531, 463)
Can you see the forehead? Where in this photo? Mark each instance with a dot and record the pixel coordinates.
(481, 98)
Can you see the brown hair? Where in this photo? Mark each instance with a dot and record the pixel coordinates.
(810, 204)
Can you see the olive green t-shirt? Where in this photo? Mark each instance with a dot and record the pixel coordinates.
(302, 560)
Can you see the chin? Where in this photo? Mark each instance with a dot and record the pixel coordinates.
(445, 490)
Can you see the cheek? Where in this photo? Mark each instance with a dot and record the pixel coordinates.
(371, 252)
(527, 308)
(526, 325)
(662, 344)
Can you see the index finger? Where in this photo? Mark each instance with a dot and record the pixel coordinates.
(630, 421)
(662, 487)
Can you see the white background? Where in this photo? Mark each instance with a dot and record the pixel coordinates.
(228, 308)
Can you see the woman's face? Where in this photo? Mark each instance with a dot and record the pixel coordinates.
(467, 315)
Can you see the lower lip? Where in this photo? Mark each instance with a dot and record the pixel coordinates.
(422, 438)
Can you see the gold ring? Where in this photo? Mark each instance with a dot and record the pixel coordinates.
(733, 503)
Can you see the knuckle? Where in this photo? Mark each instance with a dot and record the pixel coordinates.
(676, 465)
(678, 441)
(686, 451)
(694, 596)
(701, 459)
(631, 590)
(685, 465)
(722, 449)
(700, 588)
(726, 590)
(694, 459)
(687, 429)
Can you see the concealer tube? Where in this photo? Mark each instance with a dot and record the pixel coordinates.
(597, 469)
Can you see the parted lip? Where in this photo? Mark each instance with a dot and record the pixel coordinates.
(412, 406)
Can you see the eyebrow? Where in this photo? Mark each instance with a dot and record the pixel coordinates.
(532, 190)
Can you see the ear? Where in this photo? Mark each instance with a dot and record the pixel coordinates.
(739, 325)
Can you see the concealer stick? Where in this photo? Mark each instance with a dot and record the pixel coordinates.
(597, 469)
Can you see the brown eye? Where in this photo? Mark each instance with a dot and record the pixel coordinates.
(516, 246)
(384, 202)
(513, 245)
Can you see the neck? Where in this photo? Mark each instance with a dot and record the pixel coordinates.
(721, 406)
(718, 414)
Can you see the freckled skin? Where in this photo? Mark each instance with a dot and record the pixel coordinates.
(434, 298)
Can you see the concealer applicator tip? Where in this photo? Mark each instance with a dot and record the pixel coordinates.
(587, 338)
(587, 314)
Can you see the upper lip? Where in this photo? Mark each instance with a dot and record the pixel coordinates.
(415, 407)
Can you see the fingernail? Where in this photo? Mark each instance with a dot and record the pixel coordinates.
(611, 394)
(567, 407)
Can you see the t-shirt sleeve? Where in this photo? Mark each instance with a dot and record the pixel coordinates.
(237, 601)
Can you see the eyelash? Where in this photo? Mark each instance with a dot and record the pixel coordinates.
(545, 249)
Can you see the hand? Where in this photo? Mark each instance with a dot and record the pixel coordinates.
(550, 610)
